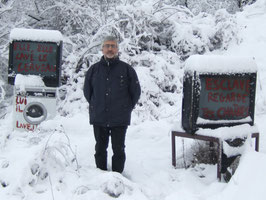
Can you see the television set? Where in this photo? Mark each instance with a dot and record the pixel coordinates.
(218, 91)
(35, 52)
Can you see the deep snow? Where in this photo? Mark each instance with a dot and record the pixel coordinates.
(56, 161)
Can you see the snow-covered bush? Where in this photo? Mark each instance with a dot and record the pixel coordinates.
(211, 6)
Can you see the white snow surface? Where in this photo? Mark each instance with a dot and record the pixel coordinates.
(230, 132)
(219, 64)
(38, 35)
(28, 81)
(205, 121)
(56, 162)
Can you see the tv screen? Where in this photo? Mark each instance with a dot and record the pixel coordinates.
(35, 58)
(217, 98)
(224, 97)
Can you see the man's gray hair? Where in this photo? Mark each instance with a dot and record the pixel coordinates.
(110, 38)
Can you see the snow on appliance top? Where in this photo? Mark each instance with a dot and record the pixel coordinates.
(29, 81)
(22, 34)
(217, 64)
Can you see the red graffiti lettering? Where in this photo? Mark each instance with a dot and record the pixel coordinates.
(21, 100)
(213, 97)
(36, 67)
(227, 84)
(208, 83)
(21, 47)
(44, 48)
(26, 126)
(207, 113)
(43, 57)
(22, 56)
(230, 97)
(231, 112)
(18, 109)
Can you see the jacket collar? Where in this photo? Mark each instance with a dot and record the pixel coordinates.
(109, 62)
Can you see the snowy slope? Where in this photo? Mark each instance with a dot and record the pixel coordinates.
(57, 162)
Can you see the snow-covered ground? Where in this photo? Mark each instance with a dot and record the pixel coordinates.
(56, 162)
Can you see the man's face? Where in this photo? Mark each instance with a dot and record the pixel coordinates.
(110, 49)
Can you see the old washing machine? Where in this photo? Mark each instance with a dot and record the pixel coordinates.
(32, 106)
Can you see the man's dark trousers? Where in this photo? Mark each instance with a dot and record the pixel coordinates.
(118, 135)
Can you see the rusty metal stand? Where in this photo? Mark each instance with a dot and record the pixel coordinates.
(217, 140)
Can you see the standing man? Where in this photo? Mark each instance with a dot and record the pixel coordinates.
(112, 89)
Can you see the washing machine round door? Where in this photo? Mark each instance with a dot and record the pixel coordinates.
(35, 113)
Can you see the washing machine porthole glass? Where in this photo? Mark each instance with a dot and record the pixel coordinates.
(35, 113)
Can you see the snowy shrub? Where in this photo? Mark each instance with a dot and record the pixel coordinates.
(53, 160)
(58, 152)
(210, 6)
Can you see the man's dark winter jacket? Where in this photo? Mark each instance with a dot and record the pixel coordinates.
(112, 90)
